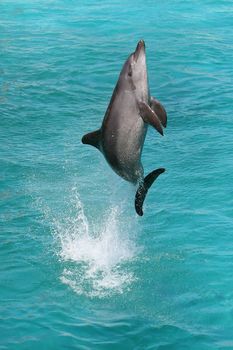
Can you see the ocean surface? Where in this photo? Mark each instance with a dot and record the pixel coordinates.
(78, 268)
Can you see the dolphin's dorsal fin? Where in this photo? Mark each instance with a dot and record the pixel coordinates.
(159, 110)
(149, 116)
(93, 138)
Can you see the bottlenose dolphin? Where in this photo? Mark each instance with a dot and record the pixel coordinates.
(124, 127)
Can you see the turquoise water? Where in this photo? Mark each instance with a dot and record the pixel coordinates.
(79, 269)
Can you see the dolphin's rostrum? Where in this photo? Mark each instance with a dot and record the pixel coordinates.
(122, 134)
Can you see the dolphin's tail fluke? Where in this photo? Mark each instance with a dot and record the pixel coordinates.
(144, 187)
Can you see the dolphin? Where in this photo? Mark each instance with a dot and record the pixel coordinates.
(122, 134)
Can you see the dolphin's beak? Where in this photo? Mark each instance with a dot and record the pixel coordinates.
(140, 48)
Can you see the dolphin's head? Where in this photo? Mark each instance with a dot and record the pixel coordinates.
(134, 72)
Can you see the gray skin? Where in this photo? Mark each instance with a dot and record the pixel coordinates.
(123, 131)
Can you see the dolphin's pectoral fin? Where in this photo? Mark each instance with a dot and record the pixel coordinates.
(144, 187)
(149, 116)
(93, 138)
(159, 111)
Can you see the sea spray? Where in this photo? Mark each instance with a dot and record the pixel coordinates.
(95, 253)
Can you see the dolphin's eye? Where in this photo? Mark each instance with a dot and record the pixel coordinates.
(130, 73)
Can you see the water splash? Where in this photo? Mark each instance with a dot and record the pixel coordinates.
(96, 255)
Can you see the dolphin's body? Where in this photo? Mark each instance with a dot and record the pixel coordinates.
(122, 134)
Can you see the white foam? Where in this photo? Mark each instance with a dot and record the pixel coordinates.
(96, 255)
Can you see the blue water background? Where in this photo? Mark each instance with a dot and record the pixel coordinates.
(78, 268)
